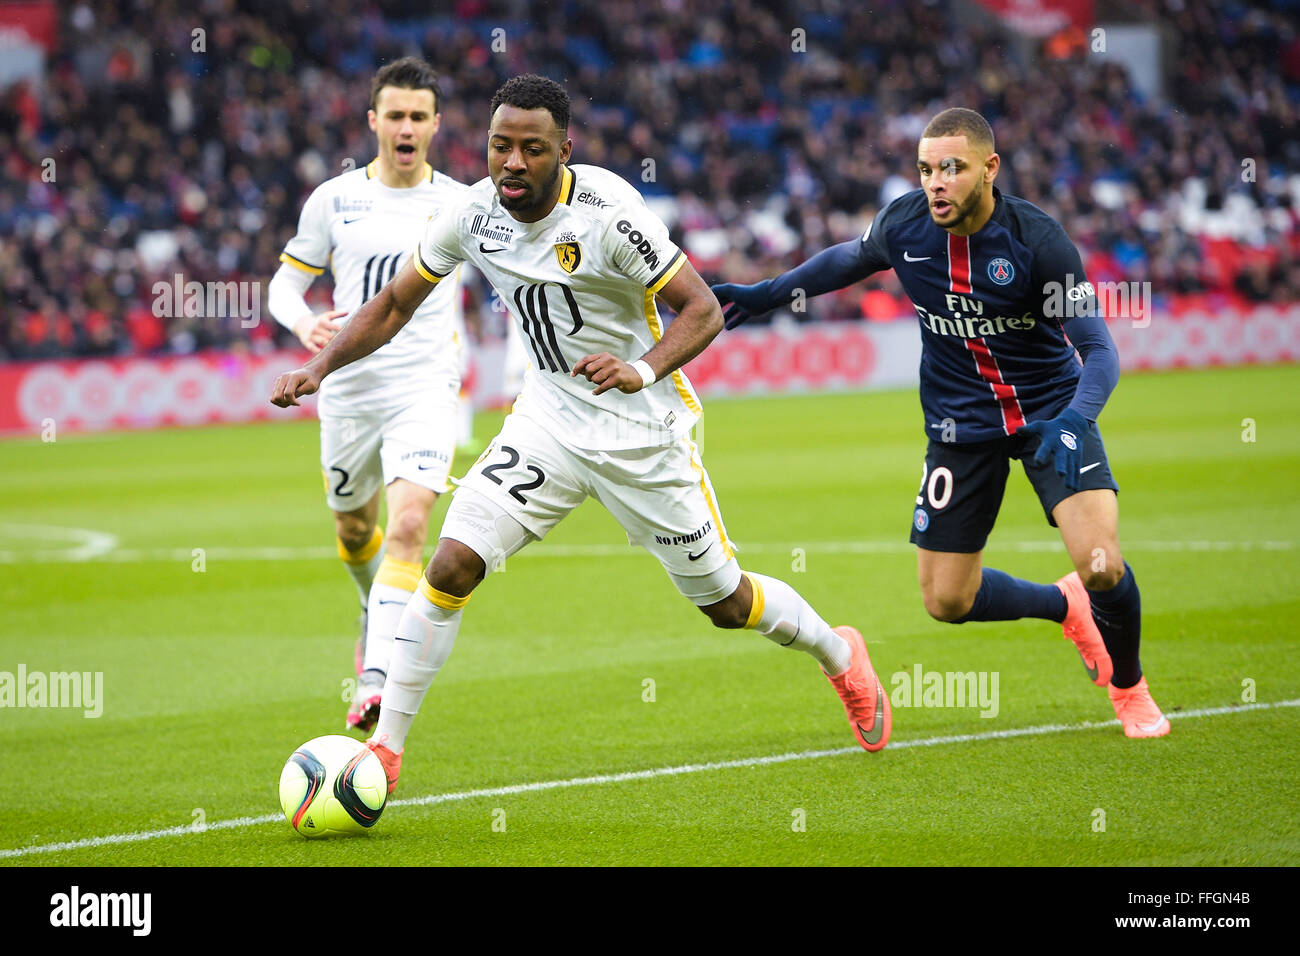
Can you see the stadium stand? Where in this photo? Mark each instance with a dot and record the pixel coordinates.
(173, 156)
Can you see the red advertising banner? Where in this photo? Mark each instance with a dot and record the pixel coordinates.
(23, 24)
(1040, 18)
(94, 395)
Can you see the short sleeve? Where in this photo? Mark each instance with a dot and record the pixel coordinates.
(636, 241)
(873, 253)
(309, 249)
(439, 252)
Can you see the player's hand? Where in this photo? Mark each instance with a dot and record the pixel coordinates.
(315, 331)
(740, 303)
(1063, 435)
(608, 371)
(294, 385)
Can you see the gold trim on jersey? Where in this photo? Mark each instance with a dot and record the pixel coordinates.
(566, 187)
(679, 380)
(425, 272)
(372, 170)
(299, 264)
(666, 276)
(708, 498)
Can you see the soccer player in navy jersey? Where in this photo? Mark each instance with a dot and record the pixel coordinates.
(998, 286)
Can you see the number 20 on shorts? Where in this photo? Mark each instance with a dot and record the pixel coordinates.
(938, 487)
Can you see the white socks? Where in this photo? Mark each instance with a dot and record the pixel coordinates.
(364, 564)
(426, 633)
(785, 618)
(392, 589)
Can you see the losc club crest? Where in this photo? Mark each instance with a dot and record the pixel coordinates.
(569, 255)
(1001, 271)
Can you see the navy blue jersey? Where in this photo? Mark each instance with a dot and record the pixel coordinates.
(993, 353)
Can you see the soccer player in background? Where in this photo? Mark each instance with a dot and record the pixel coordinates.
(390, 421)
(998, 285)
(605, 411)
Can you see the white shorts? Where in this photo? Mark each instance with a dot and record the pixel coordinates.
(361, 453)
(662, 497)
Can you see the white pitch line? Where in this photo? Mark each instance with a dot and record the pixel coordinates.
(101, 551)
(600, 779)
(85, 544)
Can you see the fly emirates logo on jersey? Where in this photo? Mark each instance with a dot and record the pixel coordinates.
(968, 320)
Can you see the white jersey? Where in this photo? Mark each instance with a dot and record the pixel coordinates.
(364, 231)
(580, 281)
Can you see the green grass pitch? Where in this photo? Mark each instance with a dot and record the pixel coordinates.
(217, 662)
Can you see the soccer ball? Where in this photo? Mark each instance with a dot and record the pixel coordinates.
(333, 785)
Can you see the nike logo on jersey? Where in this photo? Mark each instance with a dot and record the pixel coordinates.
(696, 557)
(382, 601)
(1089, 467)
(484, 249)
(908, 257)
(348, 222)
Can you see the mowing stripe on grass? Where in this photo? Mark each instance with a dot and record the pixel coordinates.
(434, 798)
(97, 551)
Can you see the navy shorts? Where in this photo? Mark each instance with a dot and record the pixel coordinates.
(963, 484)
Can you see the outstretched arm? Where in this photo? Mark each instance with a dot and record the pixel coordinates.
(834, 268)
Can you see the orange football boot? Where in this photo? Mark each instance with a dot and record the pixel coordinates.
(864, 698)
(1080, 628)
(392, 761)
(1138, 712)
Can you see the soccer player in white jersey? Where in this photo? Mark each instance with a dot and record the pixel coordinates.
(388, 421)
(605, 410)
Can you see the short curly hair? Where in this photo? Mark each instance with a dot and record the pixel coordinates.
(529, 92)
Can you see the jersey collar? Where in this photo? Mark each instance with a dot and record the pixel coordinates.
(372, 170)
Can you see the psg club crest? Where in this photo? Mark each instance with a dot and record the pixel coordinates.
(569, 255)
(921, 519)
(1001, 271)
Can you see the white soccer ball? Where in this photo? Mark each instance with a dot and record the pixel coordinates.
(333, 785)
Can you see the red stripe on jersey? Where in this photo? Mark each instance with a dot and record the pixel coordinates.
(1012, 415)
(958, 263)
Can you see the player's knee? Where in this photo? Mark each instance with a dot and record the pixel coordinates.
(728, 614)
(1102, 578)
(947, 606)
(455, 569)
(354, 532)
(408, 529)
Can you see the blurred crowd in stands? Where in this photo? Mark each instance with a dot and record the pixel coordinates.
(172, 138)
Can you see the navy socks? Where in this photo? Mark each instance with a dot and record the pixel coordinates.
(1004, 598)
(1118, 614)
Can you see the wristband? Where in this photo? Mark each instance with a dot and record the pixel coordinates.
(648, 376)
